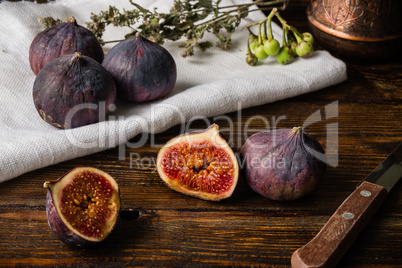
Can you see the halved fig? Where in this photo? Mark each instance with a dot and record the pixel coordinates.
(199, 164)
(82, 206)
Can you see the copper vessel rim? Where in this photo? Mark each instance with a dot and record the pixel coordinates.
(343, 35)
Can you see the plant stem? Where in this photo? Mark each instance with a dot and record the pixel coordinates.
(258, 2)
(223, 15)
(269, 19)
(285, 34)
(251, 33)
(114, 41)
(238, 7)
(248, 43)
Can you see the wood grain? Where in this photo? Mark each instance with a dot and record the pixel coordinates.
(334, 239)
(160, 227)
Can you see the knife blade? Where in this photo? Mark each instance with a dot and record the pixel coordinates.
(344, 226)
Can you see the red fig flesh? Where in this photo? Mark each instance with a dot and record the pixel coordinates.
(199, 164)
(82, 206)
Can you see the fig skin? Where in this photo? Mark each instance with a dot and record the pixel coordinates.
(143, 70)
(207, 166)
(59, 228)
(64, 231)
(73, 91)
(63, 39)
(277, 165)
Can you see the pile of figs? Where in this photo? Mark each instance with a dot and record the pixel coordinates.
(83, 205)
(76, 84)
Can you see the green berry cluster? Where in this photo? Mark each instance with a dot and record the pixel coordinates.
(263, 45)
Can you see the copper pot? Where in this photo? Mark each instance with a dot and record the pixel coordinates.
(358, 29)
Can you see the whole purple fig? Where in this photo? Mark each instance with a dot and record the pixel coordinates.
(73, 91)
(279, 164)
(143, 70)
(65, 38)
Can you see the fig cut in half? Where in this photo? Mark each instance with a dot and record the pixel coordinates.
(82, 206)
(199, 164)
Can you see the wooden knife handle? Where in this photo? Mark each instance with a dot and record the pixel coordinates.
(331, 243)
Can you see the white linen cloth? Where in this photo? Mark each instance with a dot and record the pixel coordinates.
(210, 83)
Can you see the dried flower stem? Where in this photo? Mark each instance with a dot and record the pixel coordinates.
(187, 18)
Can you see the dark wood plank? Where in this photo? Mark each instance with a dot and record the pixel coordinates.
(159, 227)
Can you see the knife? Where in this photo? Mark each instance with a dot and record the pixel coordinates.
(338, 234)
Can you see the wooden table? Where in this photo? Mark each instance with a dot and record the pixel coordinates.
(160, 227)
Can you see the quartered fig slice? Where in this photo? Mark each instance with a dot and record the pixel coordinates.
(82, 206)
(199, 164)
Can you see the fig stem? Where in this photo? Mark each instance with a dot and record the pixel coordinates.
(78, 55)
(296, 130)
(71, 19)
(46, 184)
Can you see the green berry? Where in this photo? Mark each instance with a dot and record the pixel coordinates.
(253, 45)
(251, 59)
(285, 55)
(271, 47)
(259, 52)
(308, 37)
(253, 42)
(304, 49)
(293, 45)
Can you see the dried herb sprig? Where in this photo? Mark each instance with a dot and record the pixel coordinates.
(49, 22)
(190, 19)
